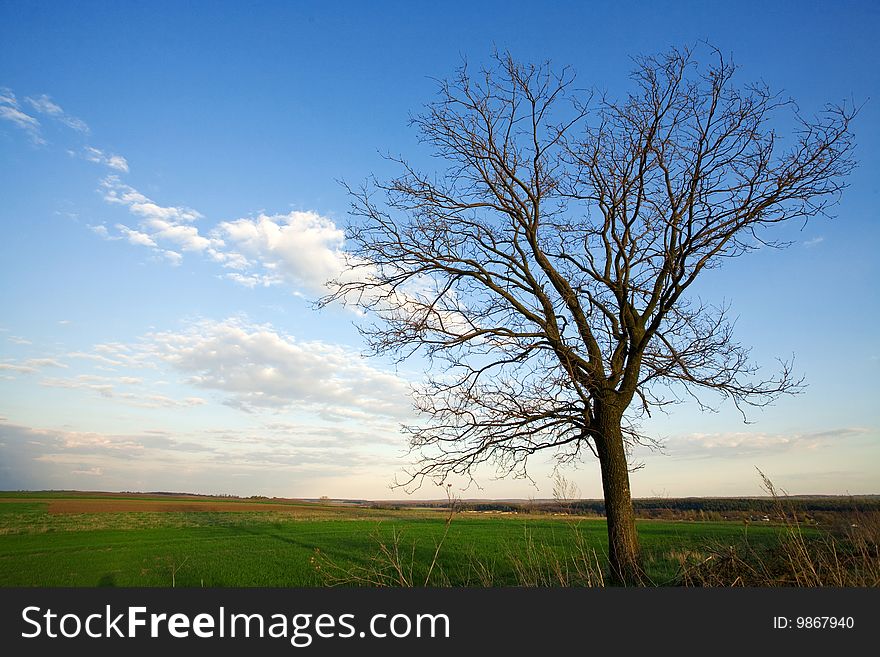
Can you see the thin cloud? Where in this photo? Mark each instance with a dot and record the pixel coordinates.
(814, 242)
(254, 280)
(101, 231)
(109, 387)
(98, 156)
(10, 110)
(744, 443)
(90, 472)
(172, 257)
(299, 458)
(30, 365)
(14, 367)
(45, 105)
(158, 225)
(115, 191)
(104, 389)
(45, 362)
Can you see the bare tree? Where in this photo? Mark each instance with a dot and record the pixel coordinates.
(543, 272)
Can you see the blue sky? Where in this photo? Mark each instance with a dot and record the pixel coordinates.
(170, 205)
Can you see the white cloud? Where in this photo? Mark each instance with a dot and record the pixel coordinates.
(101, 230)
(90, 472)
(117, 162)
(173, 257)
(260, 367)
(13, 367)
(158, 224)
(254, 280)
(30, 365)
(296, 460)
(107, 159)
(306, 250)
(108, 387)
(10, 110)
(45, 105)
(135, 237)
(229, 259)
(745, 443)
(44, 362)
(121, 357)
(83, 381)
(118, 192)
(185, 237)
(252, 366)
(814, 242)
(302, 247)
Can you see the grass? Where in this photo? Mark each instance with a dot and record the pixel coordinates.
(847, 555)
(279, 548)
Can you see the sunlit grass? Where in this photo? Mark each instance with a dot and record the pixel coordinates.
(276, 548)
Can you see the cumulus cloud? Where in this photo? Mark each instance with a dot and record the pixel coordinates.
(257, 366)
(251, 366)
(303, 248)
(185, 237)
(306, 251)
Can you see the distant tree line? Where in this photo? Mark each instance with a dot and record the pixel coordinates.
(690, 508)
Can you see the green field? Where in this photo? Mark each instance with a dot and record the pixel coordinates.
(278, 548)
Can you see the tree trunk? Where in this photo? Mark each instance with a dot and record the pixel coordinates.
(623, 542)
